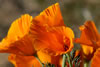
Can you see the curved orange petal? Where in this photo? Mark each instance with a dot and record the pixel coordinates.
(24, 61)
(89, 34)
(19, 28)
(92, 32)
(54, 40)
(46, 58)
(95, 62)
(23, 46)
(18, 41)
(50, 17)
(83, 39)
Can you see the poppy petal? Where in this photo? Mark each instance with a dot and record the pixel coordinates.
(95, 62)
(50, 17)
(92, 31)
(89, 34)
(55, 40)
(19, 28)
(46, 58)
(18, 40)
(24, 61)
(88, 52)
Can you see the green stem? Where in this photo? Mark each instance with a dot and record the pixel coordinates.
(64, 61)
(68, 58)
(86, 64)
(39, 60)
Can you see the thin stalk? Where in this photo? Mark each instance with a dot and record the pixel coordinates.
(64, 61)
(86, 64)
(68, 58)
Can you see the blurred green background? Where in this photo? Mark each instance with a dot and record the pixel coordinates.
(74, 12)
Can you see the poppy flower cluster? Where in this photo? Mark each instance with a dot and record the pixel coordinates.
(45, 41)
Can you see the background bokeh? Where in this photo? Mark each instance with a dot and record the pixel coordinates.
(74, 12)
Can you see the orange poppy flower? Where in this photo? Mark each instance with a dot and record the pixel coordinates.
(17, 40)
(23, 36)
(19, 43)
(89, 35)
(50, 34)
(90, 40)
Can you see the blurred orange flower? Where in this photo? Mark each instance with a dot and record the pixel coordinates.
(50, 34)
(90, 40)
